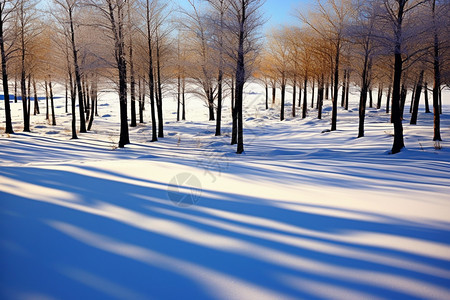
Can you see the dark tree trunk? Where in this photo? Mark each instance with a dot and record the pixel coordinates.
(380, 95)
(151, 80)
(50, 85)
(240, 79)
(320, 96)
(47, 110)
(294, 95)
(362, 110)
(402, 100)
(141, 101)
(283, 98)
(178, 95)
(343, 89)
(67, 97)
(233, 113)
(219, 103)
(437, 80)
(36, 101)
(304, 106)
(183, 97)
(93, 96)
(132, 89)
(398, 144)
(370, 98)
(418, 92)
(427, 104)
(312, 93)
(160, 95)
(267, 96)
(15, 90)
(77, 74)
(388, 99)
(335, 90)
(413, 93)
(347, 90)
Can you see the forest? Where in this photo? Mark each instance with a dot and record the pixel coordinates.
(150, 50)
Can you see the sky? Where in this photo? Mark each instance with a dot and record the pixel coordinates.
(281, 12)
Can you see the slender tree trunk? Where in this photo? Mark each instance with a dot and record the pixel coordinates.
(335, 90)
(15, 90)
(402, 100)
(52, 102)
(413, 93)
(312, 93)
(178, 95)
(294, 95)
(343, 89)
(77, 73)
(36, 101)
(141, 100)
(219, 103)
(398, 144)
(160, 95)
(380, 95)
(320, 95)
(305, 93)
(347, 90)
(388, 99)
(283, 97)
(183, 97)
(93, 96)
(267, 95)
(67, 97)
(427, 103)
(47, 108)
(362, 109)
(418, 92)
(437, 80)
(370, 98)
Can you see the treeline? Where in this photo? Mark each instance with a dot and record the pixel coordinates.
(152, 49)
(144, 47)
(391, 46)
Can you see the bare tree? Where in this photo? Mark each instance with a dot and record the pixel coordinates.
(6, 10)
(244, 22)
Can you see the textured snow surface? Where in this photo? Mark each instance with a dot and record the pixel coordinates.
(301, 215)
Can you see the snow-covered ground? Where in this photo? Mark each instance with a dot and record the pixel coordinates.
(302, 214)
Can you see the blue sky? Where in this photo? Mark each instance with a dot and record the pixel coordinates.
(281, 11)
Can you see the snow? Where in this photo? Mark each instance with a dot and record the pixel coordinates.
(301, 214)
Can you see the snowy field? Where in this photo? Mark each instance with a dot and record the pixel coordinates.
(301, 215)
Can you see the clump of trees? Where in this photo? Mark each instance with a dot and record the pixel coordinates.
(149, 49)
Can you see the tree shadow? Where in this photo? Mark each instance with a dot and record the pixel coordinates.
(108, 235)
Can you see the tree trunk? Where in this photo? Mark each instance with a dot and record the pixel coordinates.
(380, 95)
(160, 95)
(413, 93)
(427, 104)
(294, 95)
(388, 99)
(398, 144)
(274, 93)
(370, 97)
(8, 120)
(267, 96)
(437, 80)
(178, 95)
(362, 109)
(343, 89)
(418, 92)
(52, 102)
(93, 96)
(67, 97)
(77, 74)
(347, 90)
(283, 98)
(335, 90)
(219, 103)
(320, 95)
(47, 111)
(305, 93)
(36, 101)
(183, 97)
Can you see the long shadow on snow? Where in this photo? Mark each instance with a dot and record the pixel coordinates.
(115, 236)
